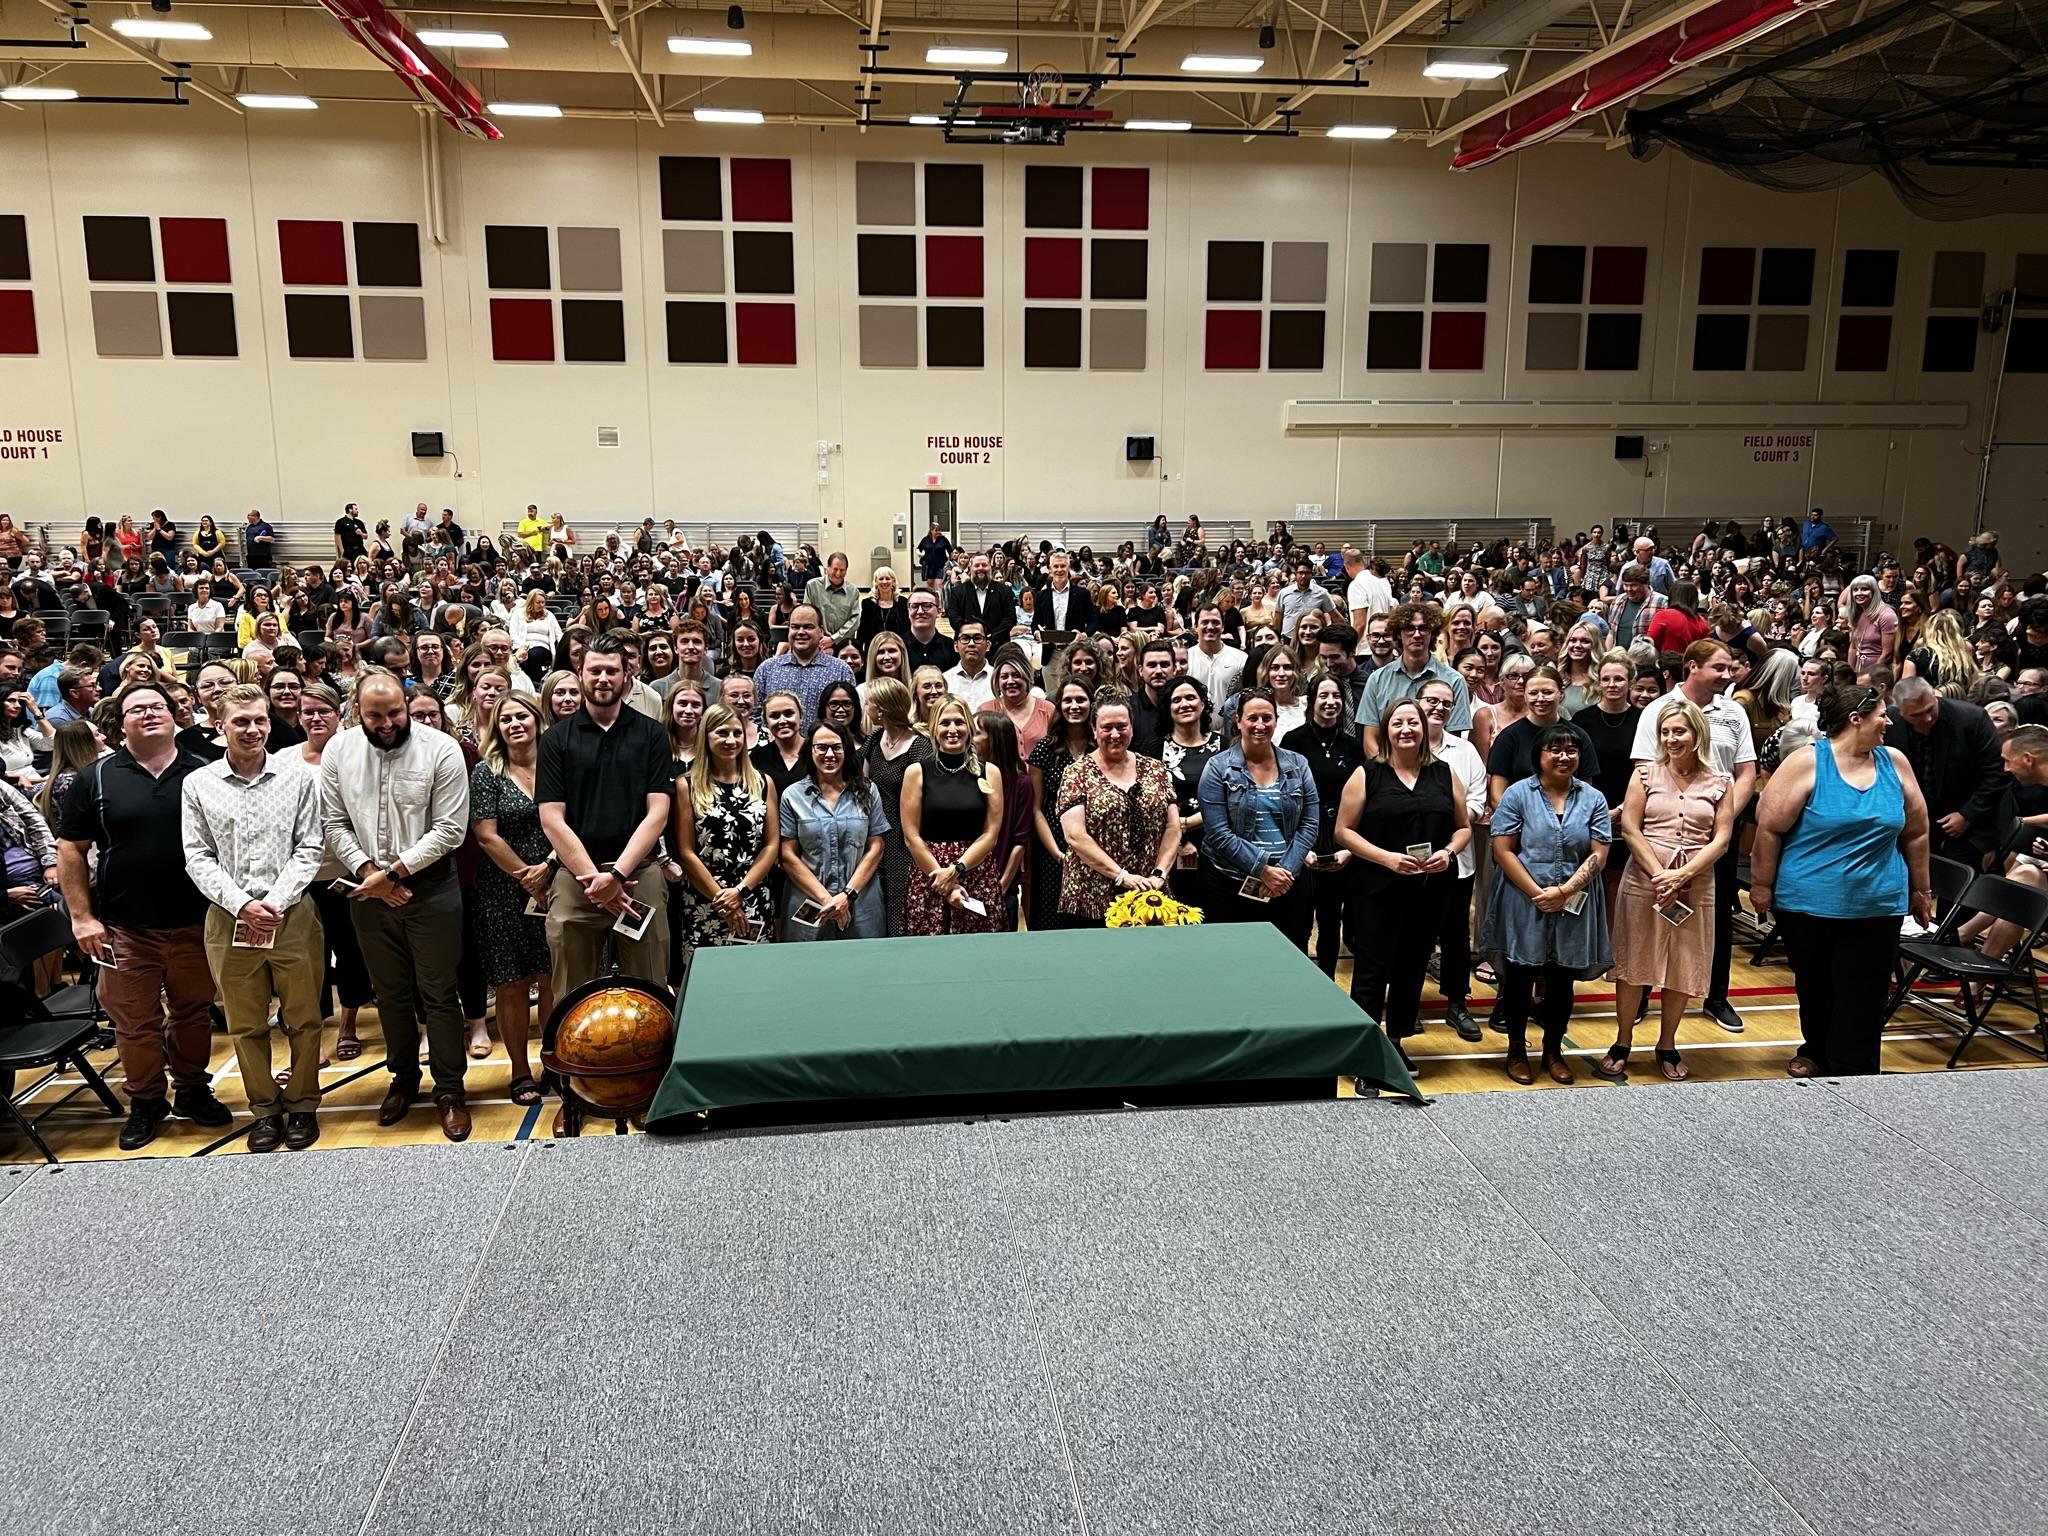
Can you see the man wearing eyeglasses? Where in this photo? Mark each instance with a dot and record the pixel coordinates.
(1414, 628)
(141, 918)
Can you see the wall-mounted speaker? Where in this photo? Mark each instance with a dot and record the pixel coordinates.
(1139, 450)
(428, 445)
(1628, 447)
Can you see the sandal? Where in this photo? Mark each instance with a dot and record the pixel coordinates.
(347, 1048)
(479, 1047)
(1673, 1068)
(1613, 1066)
(525, 1091)
(1483, 971)
(1801, 1066)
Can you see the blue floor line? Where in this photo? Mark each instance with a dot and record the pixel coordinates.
(532, 1118)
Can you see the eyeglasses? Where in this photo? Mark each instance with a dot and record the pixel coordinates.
(143, 711)
(1418, 629)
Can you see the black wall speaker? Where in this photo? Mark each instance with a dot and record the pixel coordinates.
(1628, 447)
(1139, 450)
(428, 445)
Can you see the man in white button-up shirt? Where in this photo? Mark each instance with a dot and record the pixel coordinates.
(253, 844)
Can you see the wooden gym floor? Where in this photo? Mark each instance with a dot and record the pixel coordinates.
(81, 1130)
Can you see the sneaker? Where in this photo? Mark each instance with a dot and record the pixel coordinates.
(145, 1118)
(199, 1104)
(1910, 927)
(1467, 1027)
(1718, 1010)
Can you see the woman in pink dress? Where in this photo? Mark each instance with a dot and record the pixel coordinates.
(1676, 821)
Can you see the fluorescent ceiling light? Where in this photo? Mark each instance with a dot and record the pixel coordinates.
(1221, 64)
(926, 120)
(1362, 131)
(524, 109)
(38, 93)
(263, 103)
(943, 55)
(438, 39)
(169, 31)
(724, 47)
(727, 115)
(1464, 69)
(1157, 125)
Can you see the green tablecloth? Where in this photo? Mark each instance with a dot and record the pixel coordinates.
(1011, 1013)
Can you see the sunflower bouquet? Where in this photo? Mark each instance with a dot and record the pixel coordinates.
(1150, 909)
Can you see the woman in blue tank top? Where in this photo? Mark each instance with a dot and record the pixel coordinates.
(1841, 854)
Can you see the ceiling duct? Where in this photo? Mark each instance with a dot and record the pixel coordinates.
(395, 46)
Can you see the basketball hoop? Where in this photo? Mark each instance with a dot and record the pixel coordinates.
(1045, 86)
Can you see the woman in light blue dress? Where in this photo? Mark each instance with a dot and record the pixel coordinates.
(833, 830)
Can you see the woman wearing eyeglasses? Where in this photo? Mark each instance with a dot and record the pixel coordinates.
(832, 842)
(1547, 919)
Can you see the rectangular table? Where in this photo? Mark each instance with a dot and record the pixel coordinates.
(1010, 1013)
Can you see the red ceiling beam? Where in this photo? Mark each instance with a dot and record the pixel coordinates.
(432, 81)
(1622, 71)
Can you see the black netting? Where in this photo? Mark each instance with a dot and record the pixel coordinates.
(1946, 99)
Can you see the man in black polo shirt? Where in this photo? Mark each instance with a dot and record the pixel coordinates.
(927, 647)
(142, 918)
(351, 538)
(605, 783)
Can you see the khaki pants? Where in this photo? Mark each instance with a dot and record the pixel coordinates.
(577, 931)
(248, 979)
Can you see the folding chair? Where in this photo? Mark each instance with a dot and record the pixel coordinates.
(153, 606)
(183, 640)
(1981, 981)
(51, 1032)
(94, 624)
(312, 642)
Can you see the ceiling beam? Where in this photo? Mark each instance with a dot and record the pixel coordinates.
(1375, 41)
(143, 55)
(629, 50)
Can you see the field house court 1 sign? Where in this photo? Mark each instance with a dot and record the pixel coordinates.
(956, 449)
(29, 442)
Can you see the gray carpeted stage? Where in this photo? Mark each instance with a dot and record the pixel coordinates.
(1755, 1308)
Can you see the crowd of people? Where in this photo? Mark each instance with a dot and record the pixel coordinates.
(445, 773)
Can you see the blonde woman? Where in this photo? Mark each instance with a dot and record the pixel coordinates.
(1944, 656)
(1677, 821)
(927, 689)
(882, 612)
(952, 816)
(895, 742)
(1280, 675)
(1460, 630)
(516, 867)
(1579, 667)
(887, 657)
(533, 625)
(561, 695)
(725, 837)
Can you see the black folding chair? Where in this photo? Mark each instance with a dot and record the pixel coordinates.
(94, 624)
(182, 640)
(47, 1032)
(1982, 982)
(312, 641)
(153, 606)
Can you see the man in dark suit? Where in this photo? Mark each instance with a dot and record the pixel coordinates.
(1954, 750)
(982, 598)
(1061, 605)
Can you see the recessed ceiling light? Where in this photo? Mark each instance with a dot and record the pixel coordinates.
(1464, 69)
(169, 31)
(926, 120)
(38, 93)
(524, 109)
(437, 39)
(727, 115)
(1362, 131)
(723, 47)
(1157, 125)
(1221, 64)
(945, 55)
(260, 102)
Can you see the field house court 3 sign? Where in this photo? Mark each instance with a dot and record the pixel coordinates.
(965, 450)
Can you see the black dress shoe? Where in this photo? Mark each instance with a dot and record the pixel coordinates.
(266, 1133)
(1718, 1010)
(1467, 1027)
(301, 1130)
(199, 1104)
(396, 1103)
(145, 1118)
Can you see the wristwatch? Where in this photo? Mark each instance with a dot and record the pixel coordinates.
(1158, 874)
(612, 870)
(960, 869)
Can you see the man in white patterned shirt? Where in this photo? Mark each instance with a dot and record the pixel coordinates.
(253, 844)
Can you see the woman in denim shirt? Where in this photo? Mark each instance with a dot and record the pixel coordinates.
(1550, 837)
(832, 829)
(1260, 817)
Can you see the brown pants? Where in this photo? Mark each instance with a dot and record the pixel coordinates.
(577, 931)
(159, 965)
(248, 979)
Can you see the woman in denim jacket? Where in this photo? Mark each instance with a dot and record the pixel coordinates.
(1260, 818)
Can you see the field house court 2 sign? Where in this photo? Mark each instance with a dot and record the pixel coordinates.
(954, 449)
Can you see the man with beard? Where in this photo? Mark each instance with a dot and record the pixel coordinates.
(395, 807)
(604, 783)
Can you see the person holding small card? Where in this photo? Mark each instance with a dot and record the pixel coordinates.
(832, 825)
(1676, 820)
(1548, 917)
(1260, 820)
(1404, 821)
(253, 844)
